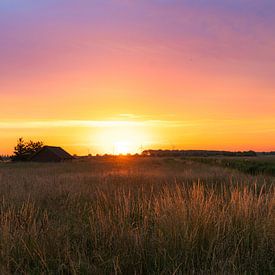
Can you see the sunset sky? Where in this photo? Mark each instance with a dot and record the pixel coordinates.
(118, 76)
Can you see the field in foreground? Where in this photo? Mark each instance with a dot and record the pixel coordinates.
(135, 216)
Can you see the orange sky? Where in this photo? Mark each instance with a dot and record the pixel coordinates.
(117, 76)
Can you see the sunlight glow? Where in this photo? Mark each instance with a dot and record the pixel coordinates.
(123, 140)
(123, 148)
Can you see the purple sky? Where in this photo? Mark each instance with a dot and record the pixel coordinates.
(93, 60)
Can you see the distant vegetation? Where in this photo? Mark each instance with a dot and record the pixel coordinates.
(253, 166)
(127, 215)
(4, 157)
(272, 153)
(196, 153)
(246, 161)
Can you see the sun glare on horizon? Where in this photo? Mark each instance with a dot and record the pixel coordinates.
(120, 140)
(124, 147)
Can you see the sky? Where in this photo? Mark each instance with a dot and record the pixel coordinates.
(118, 76)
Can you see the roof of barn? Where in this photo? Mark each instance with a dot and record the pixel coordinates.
(58, 151)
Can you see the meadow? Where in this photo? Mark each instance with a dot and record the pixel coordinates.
(264, 165)
(134, 215)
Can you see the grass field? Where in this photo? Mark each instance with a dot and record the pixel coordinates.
(264, 165)
(135, 216)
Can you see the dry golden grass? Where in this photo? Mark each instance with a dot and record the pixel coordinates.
(135, 216)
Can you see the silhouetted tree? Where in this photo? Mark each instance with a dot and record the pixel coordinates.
(19, 150)
(23, 150)
(32, 147)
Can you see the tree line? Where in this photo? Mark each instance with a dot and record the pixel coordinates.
(196, 153)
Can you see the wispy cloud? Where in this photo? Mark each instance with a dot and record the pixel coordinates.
(90, 124)
(253, 125)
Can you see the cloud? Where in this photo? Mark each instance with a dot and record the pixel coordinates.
(34, 124)
(222, 125)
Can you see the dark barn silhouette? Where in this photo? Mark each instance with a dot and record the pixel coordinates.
(51, 154)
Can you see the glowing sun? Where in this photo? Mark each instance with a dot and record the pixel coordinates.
(123, 147)
(122, 139)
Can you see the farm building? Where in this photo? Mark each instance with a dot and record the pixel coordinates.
(51, 154)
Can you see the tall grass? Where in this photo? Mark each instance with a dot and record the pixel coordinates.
(131, 216)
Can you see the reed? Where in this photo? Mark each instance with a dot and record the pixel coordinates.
(135, 216)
